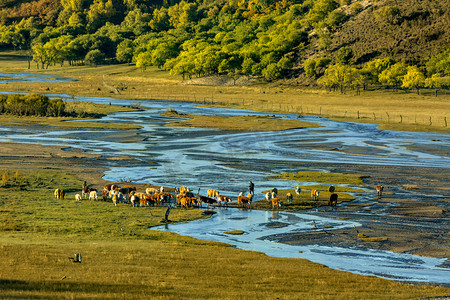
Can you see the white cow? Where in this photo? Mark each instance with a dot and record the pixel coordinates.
(78, 197)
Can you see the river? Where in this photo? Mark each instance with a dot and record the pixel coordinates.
(228, 160)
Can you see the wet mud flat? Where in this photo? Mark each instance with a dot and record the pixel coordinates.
(411, 217)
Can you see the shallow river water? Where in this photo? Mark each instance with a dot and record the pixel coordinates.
(228, 160)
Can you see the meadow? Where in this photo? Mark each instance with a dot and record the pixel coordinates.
(393, 110)
(123, 259)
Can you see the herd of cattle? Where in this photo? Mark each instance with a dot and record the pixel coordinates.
(185, 197)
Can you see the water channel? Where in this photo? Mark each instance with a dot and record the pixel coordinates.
(228, 160)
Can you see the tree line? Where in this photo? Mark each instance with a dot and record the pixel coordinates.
(265, 38)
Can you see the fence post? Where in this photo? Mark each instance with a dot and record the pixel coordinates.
(445, 121)
(374, 117)
(401, 119)
(358, 114)
(430, 121)
(387, 116)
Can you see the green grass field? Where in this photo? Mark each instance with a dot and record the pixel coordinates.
(123, 259)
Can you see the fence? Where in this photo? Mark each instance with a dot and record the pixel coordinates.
(264, 105)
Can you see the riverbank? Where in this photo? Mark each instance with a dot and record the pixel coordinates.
(121, 258)
(392, 110)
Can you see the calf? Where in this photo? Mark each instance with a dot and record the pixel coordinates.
(104, 195)
(206, 200)
(78, 197)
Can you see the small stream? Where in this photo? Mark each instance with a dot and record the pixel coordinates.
(228, 160)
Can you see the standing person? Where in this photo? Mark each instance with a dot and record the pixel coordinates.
(251, 188)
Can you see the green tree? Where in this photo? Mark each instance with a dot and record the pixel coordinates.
(143, 60)
(272, 71)
(436, 81)
(439, 63)
(315, 67)
(413, 78)
(124, 52)
(337, 76)
(393, 75)
(372, 69)
(94, 57)
(344, 54)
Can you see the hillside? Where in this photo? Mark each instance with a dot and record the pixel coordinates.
(413, 33)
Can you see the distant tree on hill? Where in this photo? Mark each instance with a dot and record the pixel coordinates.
(337, 76)
(436, 81)
(316, 66)
(413, 78)
(439, 63)
(393, 75)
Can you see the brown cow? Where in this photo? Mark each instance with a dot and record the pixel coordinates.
(244, 200)
(104, 195)
(276, 202)
(223, 199)
(315, 194)
(379, 190)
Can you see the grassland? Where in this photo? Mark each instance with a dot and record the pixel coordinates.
(306, 176)
(123, 259)
(245, 123)
(392, 110)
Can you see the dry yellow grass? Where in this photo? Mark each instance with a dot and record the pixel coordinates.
(393, 110)
(239, 122)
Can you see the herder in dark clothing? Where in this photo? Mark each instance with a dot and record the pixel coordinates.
(251, 188)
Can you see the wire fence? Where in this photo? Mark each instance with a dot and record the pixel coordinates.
(376, 117)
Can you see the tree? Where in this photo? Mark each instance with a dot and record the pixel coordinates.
(94, 57)
(337, 76)
(439, 63)
(393, 75)
(344, 54)
(413, 78)
(124, 52)
(372, 69)
(272, 71)
(436, 81)
(315, 67)
(143, 60)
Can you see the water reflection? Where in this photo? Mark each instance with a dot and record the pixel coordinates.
(255, 224)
